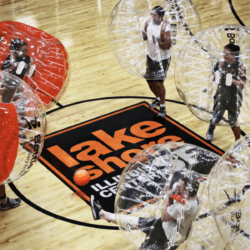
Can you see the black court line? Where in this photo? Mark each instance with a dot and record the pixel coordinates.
(116, 97)
(59, 105)
(108, 98)
(27, 201)
(235, 14)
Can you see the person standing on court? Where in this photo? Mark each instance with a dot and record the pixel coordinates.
(158, 36)
(230, 74)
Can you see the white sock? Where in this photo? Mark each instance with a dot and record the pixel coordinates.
(107, 216)
(132, 220)
(162, 105)
(158, 98)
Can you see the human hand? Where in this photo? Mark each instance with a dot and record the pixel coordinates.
(144, 35)
(13, 66)
(155, 39)
(238, 83)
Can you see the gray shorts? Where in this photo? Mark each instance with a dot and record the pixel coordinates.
(156, 71)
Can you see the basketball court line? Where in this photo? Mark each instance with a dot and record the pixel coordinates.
(115, 97)
(18, 193)
(235, 14)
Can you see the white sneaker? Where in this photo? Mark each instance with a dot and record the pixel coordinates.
(11, 203)
(210, 133)
(162, 112)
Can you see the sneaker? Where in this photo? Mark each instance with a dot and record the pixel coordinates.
(155, 103)
(162, 112)
(210, 133)
(95, 207)
(11, 203)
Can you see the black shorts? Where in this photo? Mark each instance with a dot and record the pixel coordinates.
(220, 106)
(227, 98)
(156, 71)
(157, 240)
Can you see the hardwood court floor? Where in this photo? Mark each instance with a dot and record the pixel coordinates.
(82, 28)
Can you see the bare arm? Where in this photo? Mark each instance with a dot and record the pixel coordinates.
(9, 64)
(144, 33)
(166, 42)
(165, 215)
(239, 83)
(242, 78)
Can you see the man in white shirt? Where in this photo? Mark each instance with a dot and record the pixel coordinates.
(172, 228)
(158, 37)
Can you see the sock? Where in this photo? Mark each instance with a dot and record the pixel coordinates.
(107, 216)
(132, 220)
(158, 98)
(162, 105)
(3, 200)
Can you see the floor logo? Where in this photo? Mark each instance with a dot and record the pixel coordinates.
(104, 146)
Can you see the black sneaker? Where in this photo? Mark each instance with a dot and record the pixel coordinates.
(155, 103)
(162, 112)
(95, 207)
(210, 133)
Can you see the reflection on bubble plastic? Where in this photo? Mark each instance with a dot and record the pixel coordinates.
(146, 183)
(36, 57)
(31, 121)
(229, 195)
(129, 19)
(213, 82)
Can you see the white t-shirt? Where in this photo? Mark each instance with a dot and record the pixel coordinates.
(176, 211)
(154, 51)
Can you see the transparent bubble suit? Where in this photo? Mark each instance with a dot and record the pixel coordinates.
(27, 138)
(229, 195)
(201, 84)
(127, 21)
(45, 66)
(146, 180)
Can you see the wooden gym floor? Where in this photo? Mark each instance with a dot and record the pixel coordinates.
(82, 27)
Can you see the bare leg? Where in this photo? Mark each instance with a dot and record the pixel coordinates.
(236, 131)
(2, 191)
(5, 202)
(132, 220)
(161, 91)
(3, 197)
(153, 88)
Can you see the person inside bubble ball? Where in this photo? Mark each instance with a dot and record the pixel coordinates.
(18, 62)
(158, 37)
(176, 217)
(230, 74)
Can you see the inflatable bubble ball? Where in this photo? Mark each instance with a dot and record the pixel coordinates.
(140, 32)
(212, 76)
(229, 195)
(36, 57)
(162, 180)
(23, 127)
